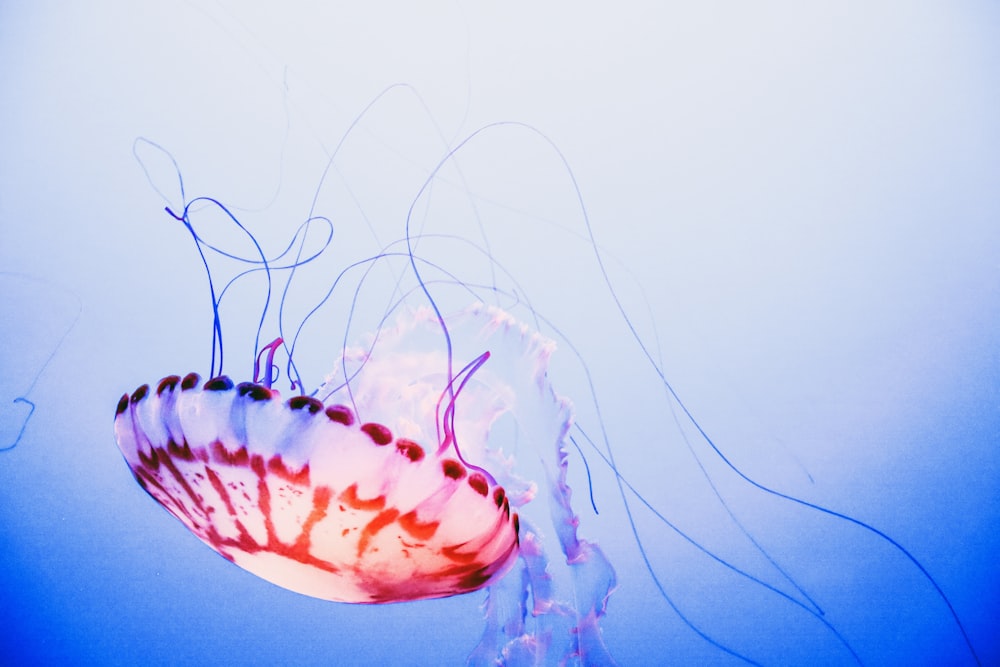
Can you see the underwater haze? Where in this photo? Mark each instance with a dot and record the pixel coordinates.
(764, 237)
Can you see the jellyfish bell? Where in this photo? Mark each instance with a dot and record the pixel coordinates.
(304, 495)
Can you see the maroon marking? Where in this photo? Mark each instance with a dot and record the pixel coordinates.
(151, 460)
(381, 520)
(419, 530)
(246, 542)
(147, 479)
(321, 501)
(453, 469)
(168, 463)
(257, 465)
(220, 383)
(122, 405)
(140, 393)
(166, 383)
(277, 466)
(340, 414)
(452, 552)
(479, 484)
(264, 502)
(516, 520)
(500, 532)
(305, 403)
(379, 434)
(254, 391)
(221, 455)
(190, 381)
(410, 449)
(182, 452)
(481, 576)
(477, 579)
(350, 497)
(137, 475)
(499, 496)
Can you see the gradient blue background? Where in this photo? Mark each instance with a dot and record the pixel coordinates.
(809, 196)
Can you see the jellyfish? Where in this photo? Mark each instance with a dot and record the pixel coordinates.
(442, 455)
(301, 493)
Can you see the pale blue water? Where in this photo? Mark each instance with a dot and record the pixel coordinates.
(807, 198)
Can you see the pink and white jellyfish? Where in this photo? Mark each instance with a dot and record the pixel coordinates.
(320, 495)
(435, 458)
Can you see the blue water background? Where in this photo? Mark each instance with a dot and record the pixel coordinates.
(808, 196)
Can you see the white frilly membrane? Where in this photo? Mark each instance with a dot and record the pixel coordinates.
(509, 421)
